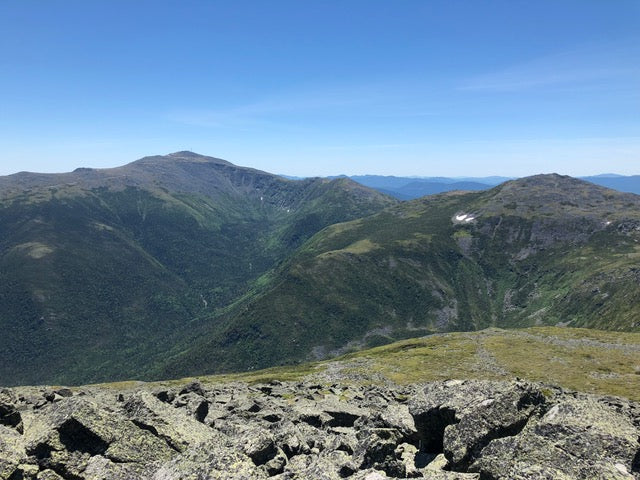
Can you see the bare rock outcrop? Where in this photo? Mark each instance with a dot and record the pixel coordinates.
(293, 431)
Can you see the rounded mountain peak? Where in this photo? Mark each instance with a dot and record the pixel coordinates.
(184, 156)
(550, 194)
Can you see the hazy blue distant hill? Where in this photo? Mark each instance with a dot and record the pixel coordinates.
(417, 189)
(621, 183)
(407, 188)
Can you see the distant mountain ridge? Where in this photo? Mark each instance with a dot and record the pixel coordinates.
(408, 188)
(185, 264)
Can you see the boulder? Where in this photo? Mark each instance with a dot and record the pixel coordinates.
(580, 436)
(209, 461)
(12, 452)
(48, 475)
(66, 436)
(9, 415)
(503, 414)
(325, 466)
(174, 426)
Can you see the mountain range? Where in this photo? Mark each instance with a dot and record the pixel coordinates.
(408, 188)
(185, 264)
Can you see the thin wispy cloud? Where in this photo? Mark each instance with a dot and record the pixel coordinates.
(286, 103)
(390, 98)
(586, 66)
(372, 146)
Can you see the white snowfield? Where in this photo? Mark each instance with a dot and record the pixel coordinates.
(465, 217)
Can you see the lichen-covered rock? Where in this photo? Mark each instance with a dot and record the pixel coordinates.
(452, 430)
(70, 436)
(173, 425)
(298, 439)
(502, 414)
(79, 425)
(12, 452)
(581, 436)
(257, 443)
(98, 467)
(441, 404)
(48, 475)
(377, 449)
(341, 413)
(209, 461)
(9, 415)
(372, 474)
(195, 405)
(324, 466)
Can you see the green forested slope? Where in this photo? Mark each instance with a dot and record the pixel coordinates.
(545, 250)
(101, 271)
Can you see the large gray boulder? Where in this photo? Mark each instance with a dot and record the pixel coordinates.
(580, 436)
(9, 415)
(503, 413)
(78, 438)
(209, 461)
(175, 426)
(12, 452)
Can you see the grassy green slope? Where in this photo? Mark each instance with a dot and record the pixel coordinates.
(586, 360)
(544, 250)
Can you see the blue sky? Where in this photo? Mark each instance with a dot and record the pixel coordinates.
(451, 87)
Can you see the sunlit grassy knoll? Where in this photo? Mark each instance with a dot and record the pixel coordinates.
(359, 247)
(585, 360)
(283, 374)
(580, 359)
(430, 358)
(606, 336)
(603, 368)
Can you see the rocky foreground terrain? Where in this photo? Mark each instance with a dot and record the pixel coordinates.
(442, 430)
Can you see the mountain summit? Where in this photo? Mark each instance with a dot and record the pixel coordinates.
(101, 270)
(184, 264)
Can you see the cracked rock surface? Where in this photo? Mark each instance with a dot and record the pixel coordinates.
(288, 431)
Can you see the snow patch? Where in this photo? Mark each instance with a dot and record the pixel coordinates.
(464, 218)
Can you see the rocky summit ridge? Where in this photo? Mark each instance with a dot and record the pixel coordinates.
(442, 430)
